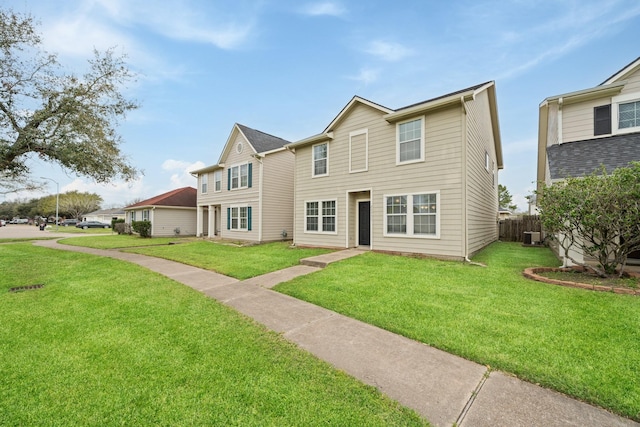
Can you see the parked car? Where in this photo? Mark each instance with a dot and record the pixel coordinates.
(68, 222)
(3, 223)
(92, 224)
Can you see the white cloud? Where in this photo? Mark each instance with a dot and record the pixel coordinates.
(180, 172)
(115, 194)
(388, 51)
(366, 76)
(324, 9)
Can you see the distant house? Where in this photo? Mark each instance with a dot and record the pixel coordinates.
(248, 194)
(418, 179)
(583, 130)
(105, 215)
(170, 213)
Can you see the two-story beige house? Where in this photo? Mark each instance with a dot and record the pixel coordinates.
(248, 194)
(578, 132)
(419, 179)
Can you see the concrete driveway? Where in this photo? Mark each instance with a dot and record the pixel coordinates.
(21, 231)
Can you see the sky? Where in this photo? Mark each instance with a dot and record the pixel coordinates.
(288, 67)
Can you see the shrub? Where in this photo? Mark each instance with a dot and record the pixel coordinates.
(143, 228)
(122, 228)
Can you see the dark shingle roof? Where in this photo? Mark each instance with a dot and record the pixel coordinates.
(184, 197)
(581, 158)
(446, 95)
(261, 141)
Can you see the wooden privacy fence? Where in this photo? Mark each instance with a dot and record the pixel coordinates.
(512, 230)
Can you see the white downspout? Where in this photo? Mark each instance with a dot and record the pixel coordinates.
(261, 176)
(465, 237)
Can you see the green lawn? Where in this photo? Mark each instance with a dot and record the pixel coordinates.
(106, 342)
(231, 260)
(585, 344)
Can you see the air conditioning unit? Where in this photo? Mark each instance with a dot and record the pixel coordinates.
(535, 237)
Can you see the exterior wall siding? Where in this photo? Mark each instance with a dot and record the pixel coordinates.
(577, 120)
(482, 184)
(441, 172)
(277, 195)
(164, 221)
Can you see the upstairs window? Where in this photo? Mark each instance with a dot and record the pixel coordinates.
(629, 115)
(239, 177)
(217, 181)
(410, 141)
(320, 159)
(602, 120)
(204, 178)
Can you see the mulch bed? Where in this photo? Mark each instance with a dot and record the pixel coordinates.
(531, 273)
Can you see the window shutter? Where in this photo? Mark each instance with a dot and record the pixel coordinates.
(249, 211)
(602, 120)
(249, 177)
(228, 218)
(228, 179)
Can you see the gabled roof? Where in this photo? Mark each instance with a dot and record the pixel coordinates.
(414, 109)
(581, 158)
(350, 106)
(624, 72)
(612, 86)
(261, 142)
(182, 197)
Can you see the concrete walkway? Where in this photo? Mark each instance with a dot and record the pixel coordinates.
(443, 388)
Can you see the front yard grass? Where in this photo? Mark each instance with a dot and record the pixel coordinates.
(231, 260)
(582, 343)
(106, 342)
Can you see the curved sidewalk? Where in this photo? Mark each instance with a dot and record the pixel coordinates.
(443, 388)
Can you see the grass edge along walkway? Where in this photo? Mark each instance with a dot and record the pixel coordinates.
(580, 343)
(107, 342)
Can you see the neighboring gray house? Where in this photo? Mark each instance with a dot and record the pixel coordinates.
(419, 179)
(581, 131)
(170, 213)
(105, 215)
(248, 194)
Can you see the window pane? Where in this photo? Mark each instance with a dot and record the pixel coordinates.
(424, 203)
(329, 208)
(243, 218)
(397, 224)
(234, 177)
(320, 167)
(409, 139)
(629, 115)
(312, 223)
(424, 224)
(312, 208)
(320, 159)
(328, 223)
(397, 205)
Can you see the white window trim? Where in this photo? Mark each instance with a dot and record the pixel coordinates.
(239, 187)
(486, 160)
(313, 161)
(231, 218)
(146, 215)
(204, 183)
(359, 132)
(422, 140)
(218, 173)
(319, 231)
(615, 112)
(409, 234)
